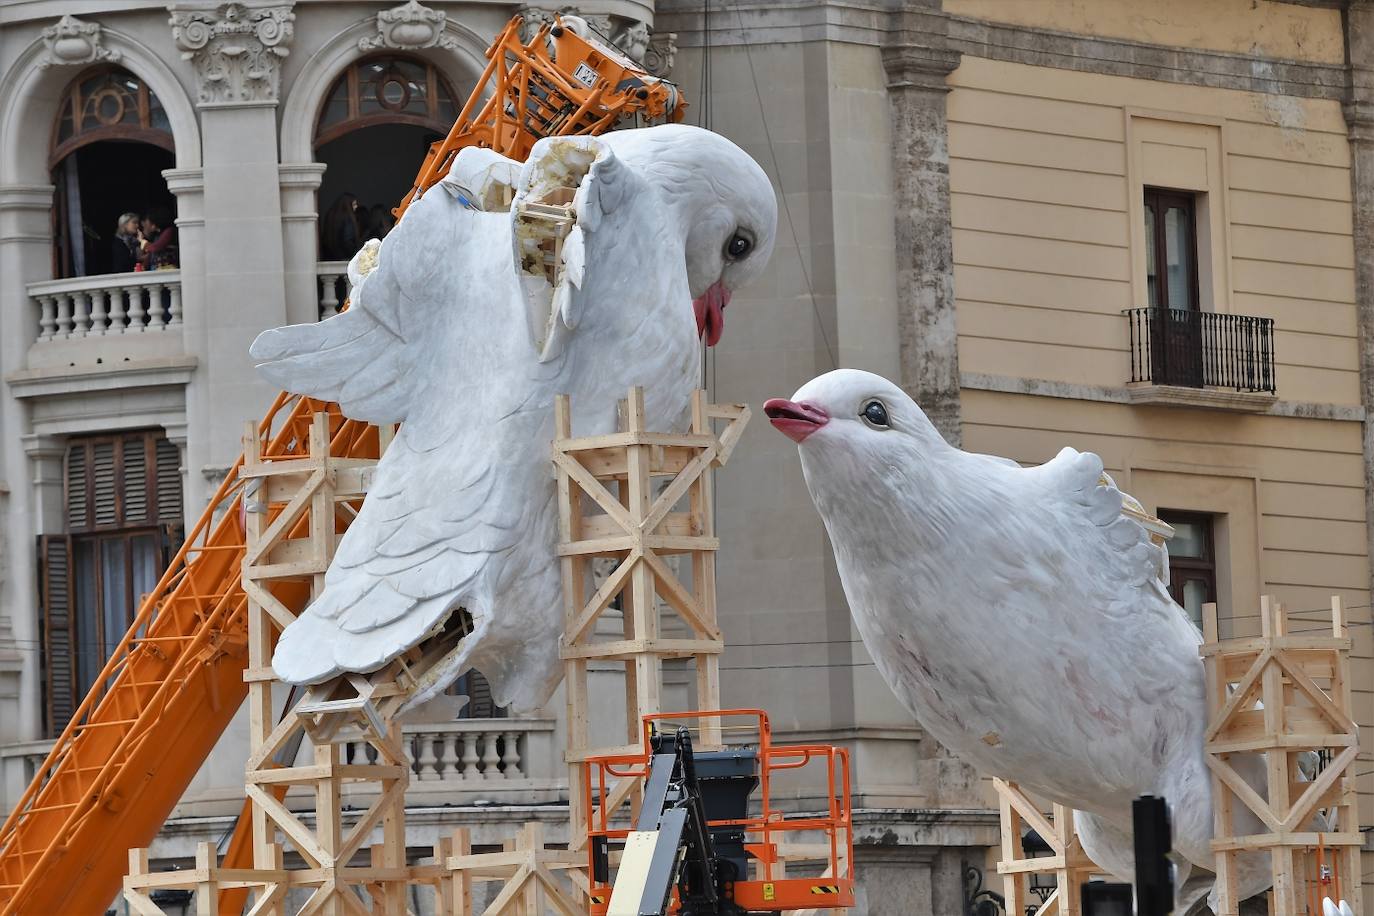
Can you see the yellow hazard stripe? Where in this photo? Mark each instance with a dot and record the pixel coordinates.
(825, 888)
(596, 899)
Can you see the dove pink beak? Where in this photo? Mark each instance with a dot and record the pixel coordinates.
(710, 309)
(795, 420)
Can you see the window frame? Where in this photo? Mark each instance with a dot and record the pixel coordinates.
(143, 133)
(64, 620)
(355, 120)
(1180, 567)
(1158, 201)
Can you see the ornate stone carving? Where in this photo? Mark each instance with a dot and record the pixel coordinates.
(72, 41)
(409, 27)
(536, 17)
(632, 38)
(658, 59)
(237, 51)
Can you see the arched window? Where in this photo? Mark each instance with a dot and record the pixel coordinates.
(110, 142)
(109, 104)
(374, 127)
(386, 90)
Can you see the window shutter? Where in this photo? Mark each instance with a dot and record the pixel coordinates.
(59, 631)
(77, 514)
(135, 484)
(103, 473)
(169, 509)
(480, 704)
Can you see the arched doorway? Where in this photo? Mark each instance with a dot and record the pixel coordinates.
(109, 145)
(373, 130)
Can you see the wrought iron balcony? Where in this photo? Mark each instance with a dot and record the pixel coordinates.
(1187, 348)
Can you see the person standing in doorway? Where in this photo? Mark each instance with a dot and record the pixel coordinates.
(341, 232)
(126, 248)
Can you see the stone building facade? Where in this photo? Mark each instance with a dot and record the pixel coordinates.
(978, 197)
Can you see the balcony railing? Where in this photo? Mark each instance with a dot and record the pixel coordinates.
(108, 305)
(1194, 349)
(333, 282)
(488, 756)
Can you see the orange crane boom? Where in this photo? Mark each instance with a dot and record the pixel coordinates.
(176, 679)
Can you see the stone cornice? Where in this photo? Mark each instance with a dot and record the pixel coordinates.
(26, 196)
(301, 174)
(888, 23)
(40, 383)
(184, 181)
(1139, 60)
(1049, 388)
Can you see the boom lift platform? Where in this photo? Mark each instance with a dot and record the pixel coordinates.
(176, 679)
(694, 843)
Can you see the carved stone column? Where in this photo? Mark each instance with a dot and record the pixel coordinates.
(917, 61)
(1359, 115)
(236, 51)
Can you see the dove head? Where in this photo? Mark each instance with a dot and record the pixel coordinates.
(853, 426)
(723, 198)
(856, 410)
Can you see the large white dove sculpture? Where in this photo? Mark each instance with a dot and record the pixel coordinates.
(465, 332)
(1017, 614)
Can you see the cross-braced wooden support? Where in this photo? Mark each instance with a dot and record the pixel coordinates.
(1286, 694)
(291, 510)
(608, 509)
(1068, 862)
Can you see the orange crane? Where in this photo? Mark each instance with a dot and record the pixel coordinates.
(175, 680)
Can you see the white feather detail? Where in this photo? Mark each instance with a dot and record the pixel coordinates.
(574, 260)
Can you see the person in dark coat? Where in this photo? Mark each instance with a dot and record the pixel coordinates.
(341, 232)
(126, 247)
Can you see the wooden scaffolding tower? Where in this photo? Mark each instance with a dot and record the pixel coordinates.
(1067, 861)
(1287, 694)
(292, 525)
(634, 498)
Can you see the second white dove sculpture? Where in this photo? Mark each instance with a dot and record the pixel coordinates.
(1017, 614)
(463, 334)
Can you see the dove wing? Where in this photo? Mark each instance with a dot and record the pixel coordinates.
(1087, 491)
(585, 169)
(364, 358)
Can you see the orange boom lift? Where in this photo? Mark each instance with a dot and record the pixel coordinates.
(176, 679)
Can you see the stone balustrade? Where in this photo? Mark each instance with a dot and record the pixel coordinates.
(333, 284)
(18, 763)
(486, 756)
(108, 305)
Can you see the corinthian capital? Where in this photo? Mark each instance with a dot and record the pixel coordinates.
(236, 50)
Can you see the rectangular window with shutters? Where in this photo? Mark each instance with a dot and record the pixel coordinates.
(123, 526)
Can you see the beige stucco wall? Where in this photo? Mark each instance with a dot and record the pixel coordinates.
(1260, 28)
(1046, 169)
(1042, 195)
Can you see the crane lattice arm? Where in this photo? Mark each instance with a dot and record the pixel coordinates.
(176, 679)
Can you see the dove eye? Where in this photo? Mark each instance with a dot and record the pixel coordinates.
(875, 415)
(738, 247)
